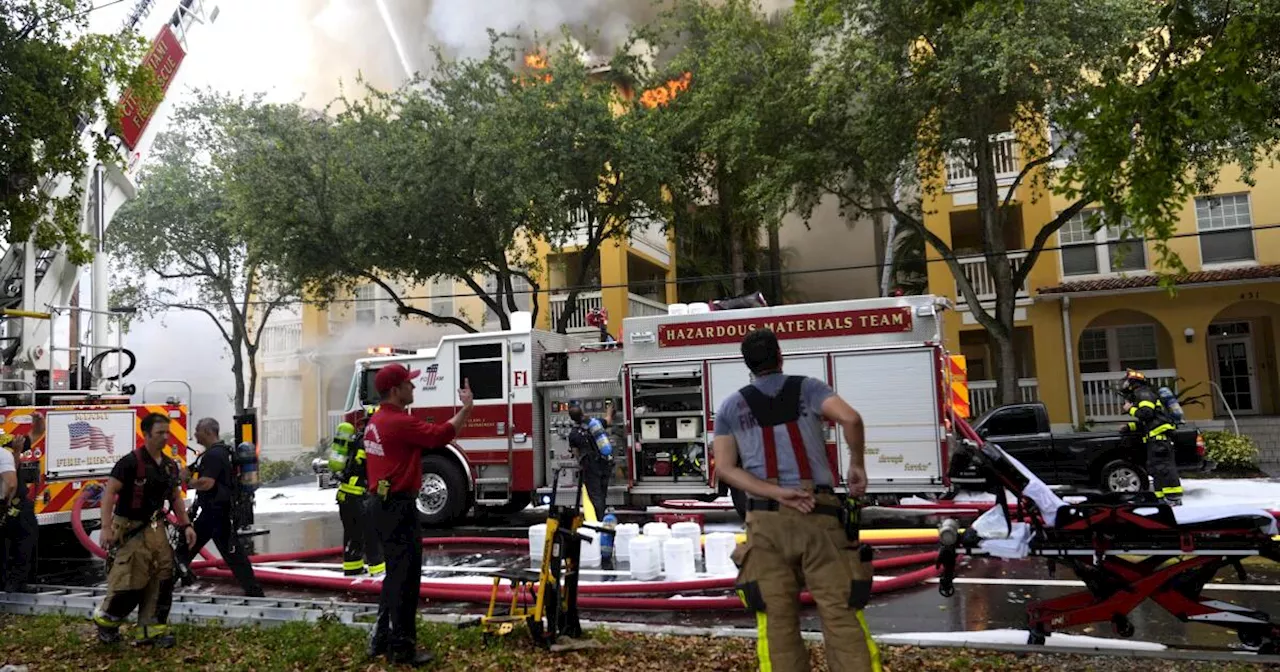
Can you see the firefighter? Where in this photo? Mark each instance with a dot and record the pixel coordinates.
(596, 468)
(1153, 423)
(18, 526)
(395, 442)
(141, 573)
(799, 532)
(361, 551)
(215, 486)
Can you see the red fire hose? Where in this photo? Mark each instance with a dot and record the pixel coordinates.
(596, 596)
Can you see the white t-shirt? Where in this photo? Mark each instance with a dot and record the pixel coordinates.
(7, 464)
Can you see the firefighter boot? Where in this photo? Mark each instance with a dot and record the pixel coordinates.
(157, 635)
(108, 627)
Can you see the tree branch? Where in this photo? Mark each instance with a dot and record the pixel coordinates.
(1042, 239)
(405, 309)
(1026, 170)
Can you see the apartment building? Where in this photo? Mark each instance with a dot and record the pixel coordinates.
(1092, 307)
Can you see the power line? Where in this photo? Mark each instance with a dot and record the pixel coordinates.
(704, 278)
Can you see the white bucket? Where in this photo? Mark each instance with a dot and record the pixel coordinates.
(719, 553)
(678, 309)
(691, 531)
(537, 542)
(677, 559)
(625, 533)
(699, 308)
(658, 532)
(589, 553)
(645, 565)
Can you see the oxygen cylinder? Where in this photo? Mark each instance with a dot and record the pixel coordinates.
(602, 438)
(247, 460)
(610, 523)
(340, 447)
(1170, 401)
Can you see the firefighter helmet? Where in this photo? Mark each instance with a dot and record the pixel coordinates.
(1132, 380)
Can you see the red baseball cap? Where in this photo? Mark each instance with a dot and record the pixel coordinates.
(392, 375)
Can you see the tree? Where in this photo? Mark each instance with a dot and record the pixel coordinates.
(183, 245)
(1145, 96)
(57, 80)
(731, 95)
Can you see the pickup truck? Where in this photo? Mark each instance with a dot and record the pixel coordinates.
(1108, 461)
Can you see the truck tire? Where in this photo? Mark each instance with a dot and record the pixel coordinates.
(443, 497)
(1123, 476)
(739, 502)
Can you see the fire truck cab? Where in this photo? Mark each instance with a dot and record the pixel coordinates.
(657, 389)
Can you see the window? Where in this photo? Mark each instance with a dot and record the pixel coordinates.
(385, 306)
(1119, 348)
(1109, 249)
(366, 304)
(519, 287)
(484, 368)
(1012, 422)
(1059, 139)
(442, 296)
(1226, 228)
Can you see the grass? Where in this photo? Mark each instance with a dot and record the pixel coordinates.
(65, 643)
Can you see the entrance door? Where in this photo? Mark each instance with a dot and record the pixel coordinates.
(1233, 370)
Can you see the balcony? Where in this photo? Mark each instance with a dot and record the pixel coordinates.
(280, 345)
(282, 437)
(1005, 153)
(983, 397)
(1101, 401)
(646, 237)
(636, 305)
(975, 271)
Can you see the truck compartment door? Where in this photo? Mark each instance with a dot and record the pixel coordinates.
(896, 393)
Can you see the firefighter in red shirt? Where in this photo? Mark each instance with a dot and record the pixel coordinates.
(394, 442)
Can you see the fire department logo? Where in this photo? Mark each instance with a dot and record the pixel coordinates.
(430, 376)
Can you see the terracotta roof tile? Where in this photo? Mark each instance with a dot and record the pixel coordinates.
(1140, 281)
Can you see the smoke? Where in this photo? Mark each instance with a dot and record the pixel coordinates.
(350, 37)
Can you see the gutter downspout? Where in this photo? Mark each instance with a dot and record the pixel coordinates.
(1071, 360)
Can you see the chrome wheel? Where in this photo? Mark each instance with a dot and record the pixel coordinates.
(433, 495)
(1124, 479)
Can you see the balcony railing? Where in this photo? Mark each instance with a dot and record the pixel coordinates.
(282, 437)
(281, 340)
(1103, 404)
(578, 322)
(332, 420)
(642, 306)
(975, 271)
(983, 397)
(1005, 154)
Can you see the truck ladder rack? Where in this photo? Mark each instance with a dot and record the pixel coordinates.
(189, 607)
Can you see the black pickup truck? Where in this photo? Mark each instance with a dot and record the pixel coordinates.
(1107, 461)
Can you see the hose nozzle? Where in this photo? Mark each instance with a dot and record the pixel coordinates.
(949, 532)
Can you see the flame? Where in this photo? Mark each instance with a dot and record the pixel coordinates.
(536, 60)
(664, 94)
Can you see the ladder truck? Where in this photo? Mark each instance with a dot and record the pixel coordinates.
(70, 415)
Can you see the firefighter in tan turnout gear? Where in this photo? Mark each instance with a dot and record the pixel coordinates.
(770, 442)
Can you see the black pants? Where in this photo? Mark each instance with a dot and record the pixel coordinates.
(396, 520)
(215, 525)
(595, 476)
(18, 549)
(1163, 465)
(360, 545)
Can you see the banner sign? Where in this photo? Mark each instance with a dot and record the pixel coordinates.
(165, 57)
(812, 325)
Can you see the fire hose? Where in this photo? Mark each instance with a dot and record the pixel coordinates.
(617, 596)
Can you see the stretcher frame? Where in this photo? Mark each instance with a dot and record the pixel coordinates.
(1168, 563)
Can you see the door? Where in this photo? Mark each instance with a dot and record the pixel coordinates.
(1017, 429)
(1233, 371)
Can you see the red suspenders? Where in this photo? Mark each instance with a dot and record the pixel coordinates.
(784, 409)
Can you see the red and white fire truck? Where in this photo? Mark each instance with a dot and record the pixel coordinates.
(666, 377)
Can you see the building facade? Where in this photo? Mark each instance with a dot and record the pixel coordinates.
(1093, 306)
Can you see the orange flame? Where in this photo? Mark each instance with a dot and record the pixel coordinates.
(664, 94)
(536, 61)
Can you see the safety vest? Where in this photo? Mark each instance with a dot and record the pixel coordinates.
(784, 409)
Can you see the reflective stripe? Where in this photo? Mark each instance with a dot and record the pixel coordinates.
(1160, 430)
(351, 565)
(350, 489)
(380, 568)
(871, 643)
(762, 642)
(360, 455)
(150, 631)
(1133, 410)
(1133, 426)
(1146, 404)
(1175, 490)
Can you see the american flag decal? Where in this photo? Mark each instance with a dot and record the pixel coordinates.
(429, 376)
(86, 436)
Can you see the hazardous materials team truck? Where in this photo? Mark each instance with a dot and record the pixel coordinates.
(667, 375)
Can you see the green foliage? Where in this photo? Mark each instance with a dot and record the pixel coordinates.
(274, 471)
(726, 133)
(56, 73)
(1230, 451)
(184, 243)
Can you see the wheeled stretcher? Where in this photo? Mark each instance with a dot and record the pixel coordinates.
(1126, 548)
